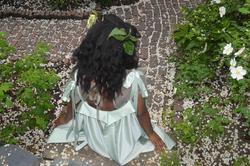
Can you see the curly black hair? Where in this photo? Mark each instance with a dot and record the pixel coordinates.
(102, 59)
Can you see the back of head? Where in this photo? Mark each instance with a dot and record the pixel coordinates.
(101, 59)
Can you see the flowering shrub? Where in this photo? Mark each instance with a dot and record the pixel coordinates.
(213, 45)
(5, 69)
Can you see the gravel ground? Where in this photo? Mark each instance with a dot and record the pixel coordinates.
(155, 19)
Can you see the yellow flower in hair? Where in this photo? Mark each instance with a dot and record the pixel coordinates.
(92, 20)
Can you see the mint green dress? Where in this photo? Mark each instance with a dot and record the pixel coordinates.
(115, 134)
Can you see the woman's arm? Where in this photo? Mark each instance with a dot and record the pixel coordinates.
(145, 122)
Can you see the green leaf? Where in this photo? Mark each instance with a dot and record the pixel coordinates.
(192, 44)
(8, 103)
(129, 47)
(210, 111)
(127, 39)
(132, 38)
(41, 122)
(5, 47)
(42, 48)
(27, 97)
(244, 10)
(31, 123)
(118, 34)
(119, 37)
(6, 86)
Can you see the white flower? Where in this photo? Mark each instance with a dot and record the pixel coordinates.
(232, 62)
(237, 72)
(216, 1)
(240, 51)
(228, 49)
(222, 10)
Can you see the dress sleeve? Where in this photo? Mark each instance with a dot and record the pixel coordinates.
(144, 90)
(133, 77)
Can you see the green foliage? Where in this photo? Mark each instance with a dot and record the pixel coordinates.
(245, 112)
(5, 70)
(5, 87)
(201, 39)
(195, 72)
(199, 122)
(33, 61)
(168, 114)
(5, 48)
(37, 83)
(190, 79)
(31, 84)
(169, 159)
(245, 9)
(129, 47)
(241, 161)
(7, 134)
(215, 126)
(127, 39)
(192, 91)
(40, 79)
(188, 130)
(5, 99)
(63, 4)
(203, 35)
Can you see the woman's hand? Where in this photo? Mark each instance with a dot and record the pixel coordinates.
(157, 141)
(145, 122)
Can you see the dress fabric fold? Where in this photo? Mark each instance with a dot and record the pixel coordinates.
(115, 134)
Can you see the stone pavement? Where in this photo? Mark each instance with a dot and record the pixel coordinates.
(155, 19)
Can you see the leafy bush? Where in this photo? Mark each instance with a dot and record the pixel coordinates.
(31, 84)
(5, 70)
(202, 121)
(37, 84)
(203, 35)
(241, 161)
(5, 99)
(5, 48)
(213, 44)
(245, 112)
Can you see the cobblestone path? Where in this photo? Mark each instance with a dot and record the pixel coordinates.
(155, 19)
